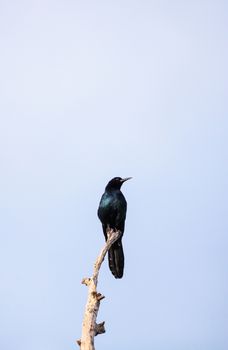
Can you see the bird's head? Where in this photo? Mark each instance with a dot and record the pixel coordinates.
(116, 183)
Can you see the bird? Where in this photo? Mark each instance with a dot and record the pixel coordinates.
(112, 214)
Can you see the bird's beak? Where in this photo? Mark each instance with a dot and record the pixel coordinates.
(126, 178)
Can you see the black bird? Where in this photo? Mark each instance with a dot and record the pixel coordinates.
(112, 213)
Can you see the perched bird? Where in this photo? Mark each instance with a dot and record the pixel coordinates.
(112, 213)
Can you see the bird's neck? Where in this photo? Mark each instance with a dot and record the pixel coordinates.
(111, 189)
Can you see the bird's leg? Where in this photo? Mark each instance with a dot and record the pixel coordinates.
(109, 231)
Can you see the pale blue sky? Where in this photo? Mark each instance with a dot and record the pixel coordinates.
(96, 89)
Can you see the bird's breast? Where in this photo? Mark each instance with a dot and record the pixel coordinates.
(112, 207)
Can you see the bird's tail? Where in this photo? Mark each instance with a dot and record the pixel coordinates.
(116, 259)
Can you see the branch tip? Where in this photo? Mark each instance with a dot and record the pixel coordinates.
(100, 296)
(100, 328)
(78, 342)
(86, 281)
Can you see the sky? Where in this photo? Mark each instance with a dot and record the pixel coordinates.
(90, 90)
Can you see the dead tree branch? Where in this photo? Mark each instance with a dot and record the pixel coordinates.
(89, 326)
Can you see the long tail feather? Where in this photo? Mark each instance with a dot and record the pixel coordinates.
(116, 259)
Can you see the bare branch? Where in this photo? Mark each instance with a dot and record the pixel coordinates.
(89, 327)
